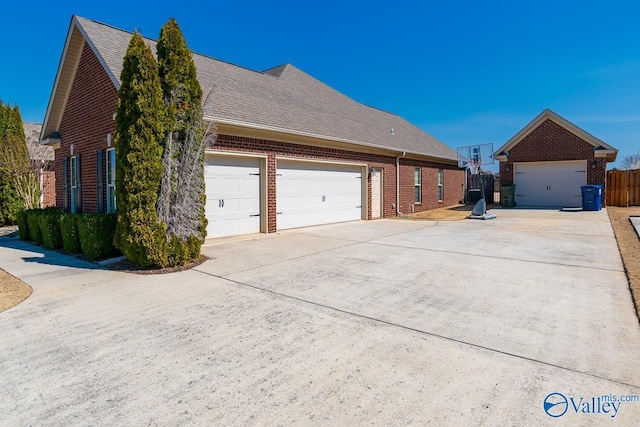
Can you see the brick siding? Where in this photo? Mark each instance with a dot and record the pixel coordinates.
(453, 176)
(48, 189)
(453, 186)
(550, 142)
(88, 118)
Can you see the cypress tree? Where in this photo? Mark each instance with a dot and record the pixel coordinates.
(18, 188)
(138, 134)
(182, 193)
(180, 87)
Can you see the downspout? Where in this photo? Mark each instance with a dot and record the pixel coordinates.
(398, 183)
(41, 181)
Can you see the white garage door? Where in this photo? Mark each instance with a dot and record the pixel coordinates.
(233, 195)
(314, 193)
(550, 184)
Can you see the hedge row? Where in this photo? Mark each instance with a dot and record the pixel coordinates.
(90, 234)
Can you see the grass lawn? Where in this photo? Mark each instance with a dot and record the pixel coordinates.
(452, 213)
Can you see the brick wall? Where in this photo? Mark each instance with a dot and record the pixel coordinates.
(551, 142)
(453, 177)
(453, 186)
(48, 189)
(87, 119)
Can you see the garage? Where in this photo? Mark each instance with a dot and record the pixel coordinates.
(310, 193)
(551, 184)
(233, 195)
(549, 160)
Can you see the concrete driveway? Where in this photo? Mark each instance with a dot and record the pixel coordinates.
(378, 322)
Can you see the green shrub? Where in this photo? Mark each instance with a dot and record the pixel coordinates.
(96, 235)
(69, 232)
(33, 222)
(23, 226)
(49, 221)
(10, 203)
(177, 251)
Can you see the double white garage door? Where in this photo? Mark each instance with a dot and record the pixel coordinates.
(552, 184)
(306, 194)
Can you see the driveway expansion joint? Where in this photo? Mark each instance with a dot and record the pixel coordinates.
(415, 330)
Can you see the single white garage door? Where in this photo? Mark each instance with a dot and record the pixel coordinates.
(233, 195)
(317, 193)
(552, 184)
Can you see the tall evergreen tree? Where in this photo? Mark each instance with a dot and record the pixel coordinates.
(182, 194)
(138, 134)
(9, 200)
(180, 87)
(19, 187)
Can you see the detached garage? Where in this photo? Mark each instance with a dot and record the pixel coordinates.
(549, 161)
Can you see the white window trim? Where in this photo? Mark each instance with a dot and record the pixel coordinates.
(418, 184)
(73, 181)
(441, 185)
(111, 185)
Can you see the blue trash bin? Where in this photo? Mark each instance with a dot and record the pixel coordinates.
(591, 197)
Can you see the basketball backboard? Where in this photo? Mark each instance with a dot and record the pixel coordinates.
(481, 154)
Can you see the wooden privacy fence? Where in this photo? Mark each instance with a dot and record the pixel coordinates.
(623, 188)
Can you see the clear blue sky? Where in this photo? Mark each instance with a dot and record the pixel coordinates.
(466, 72)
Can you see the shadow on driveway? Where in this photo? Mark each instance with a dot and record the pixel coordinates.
(40, 255)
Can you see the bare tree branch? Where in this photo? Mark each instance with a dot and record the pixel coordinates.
(632, 161)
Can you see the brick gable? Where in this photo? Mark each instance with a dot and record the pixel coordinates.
(87, 119)
(550, 142)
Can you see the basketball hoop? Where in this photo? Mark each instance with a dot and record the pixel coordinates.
(474, 167)
(471, 158)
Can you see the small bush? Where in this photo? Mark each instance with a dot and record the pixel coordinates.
(96, 235)
(33, 222)
(23, 226)
(177, 252)
(69, 233)
(49, 221)
(182, 252)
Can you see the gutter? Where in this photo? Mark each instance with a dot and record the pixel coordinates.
(398, 183)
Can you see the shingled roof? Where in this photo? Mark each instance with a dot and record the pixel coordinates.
(283, 99)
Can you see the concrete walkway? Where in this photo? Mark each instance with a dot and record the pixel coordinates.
(378, 322)
(635, 220)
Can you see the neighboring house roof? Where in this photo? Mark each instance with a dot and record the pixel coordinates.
(601, 148)
(283, 99)
(37, 151)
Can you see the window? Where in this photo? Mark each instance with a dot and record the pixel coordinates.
(111, 180)
(75, 183)
(416, 180)
(440, 185)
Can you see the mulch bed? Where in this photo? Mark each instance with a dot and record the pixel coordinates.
(131, 267)
(12, 291)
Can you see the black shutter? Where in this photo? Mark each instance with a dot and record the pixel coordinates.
(99, 165)
(65, 181)
(79, 181)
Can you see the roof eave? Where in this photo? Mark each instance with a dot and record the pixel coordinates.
(597, 143)
(296, 136)
(51, 142)
(58, 78)
(65, 75)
